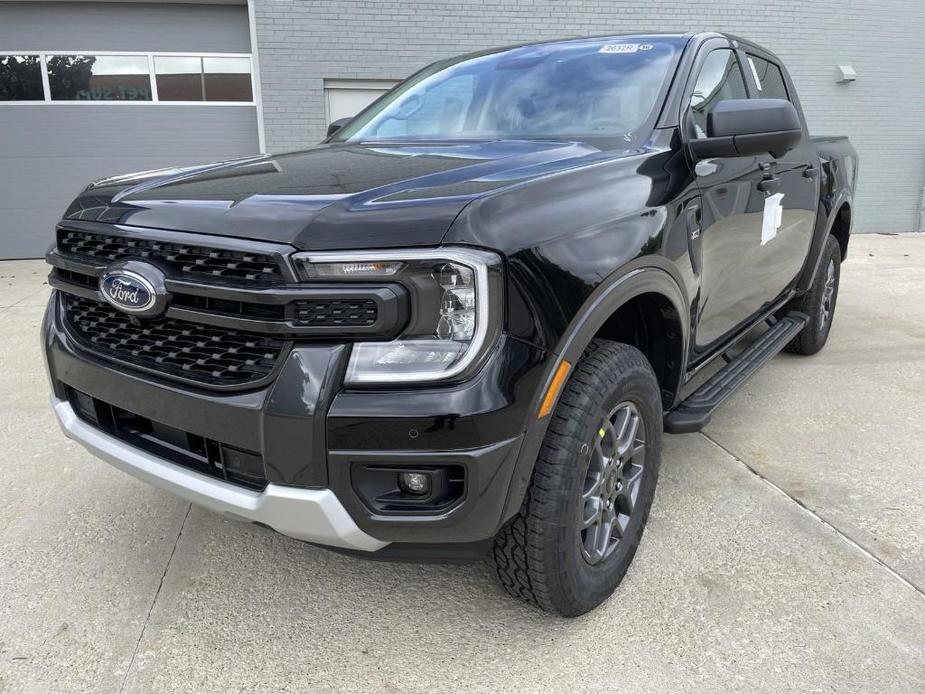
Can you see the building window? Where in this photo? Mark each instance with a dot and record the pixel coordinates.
(186, 78)
(126, 77)
(99, 78)
(21, 78)
(227, 79)
(178, 78)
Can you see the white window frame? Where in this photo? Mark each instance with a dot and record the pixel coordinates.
(151, 55)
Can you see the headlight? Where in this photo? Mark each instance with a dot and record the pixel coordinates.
(455, 309)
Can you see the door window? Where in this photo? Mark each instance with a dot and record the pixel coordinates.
(768, 78)
(720, 78)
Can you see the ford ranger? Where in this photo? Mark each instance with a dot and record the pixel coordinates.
(459, 326)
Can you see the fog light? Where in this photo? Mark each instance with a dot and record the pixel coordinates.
(414, 482)
(84, 405)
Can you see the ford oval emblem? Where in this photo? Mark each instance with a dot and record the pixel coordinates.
(128, 291)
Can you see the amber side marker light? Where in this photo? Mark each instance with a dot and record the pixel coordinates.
(558, 380)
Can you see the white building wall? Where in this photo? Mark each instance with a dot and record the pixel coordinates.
(304, 42)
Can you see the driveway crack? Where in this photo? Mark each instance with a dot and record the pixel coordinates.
(843, 535)
(157, 593)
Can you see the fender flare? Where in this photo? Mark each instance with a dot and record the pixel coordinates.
(651, 274)
(825, 220)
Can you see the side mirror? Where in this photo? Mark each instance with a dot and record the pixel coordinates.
(743, 127)
(337, 125)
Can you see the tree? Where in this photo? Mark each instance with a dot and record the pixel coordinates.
(69, 74)
(20, 78)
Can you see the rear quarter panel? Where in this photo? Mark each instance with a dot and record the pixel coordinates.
(838, 162)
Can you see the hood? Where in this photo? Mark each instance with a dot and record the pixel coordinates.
(337, 196)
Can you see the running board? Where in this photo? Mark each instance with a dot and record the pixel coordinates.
(694, 413)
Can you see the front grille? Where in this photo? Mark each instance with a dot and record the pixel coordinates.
(221, 307)
(208, 456)
(335, 312)
(237, 266)
(189, 351)
(227, 307)
(78, 278)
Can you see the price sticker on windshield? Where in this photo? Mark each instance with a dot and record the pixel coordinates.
(619, 48)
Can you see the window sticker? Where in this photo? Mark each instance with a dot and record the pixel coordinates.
(621, 48)
(773, 216)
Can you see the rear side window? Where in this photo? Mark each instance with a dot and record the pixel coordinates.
(769, 79)
(720, 79)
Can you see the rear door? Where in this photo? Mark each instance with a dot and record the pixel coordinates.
(798, 171)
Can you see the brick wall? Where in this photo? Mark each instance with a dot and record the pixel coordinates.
(302, 42)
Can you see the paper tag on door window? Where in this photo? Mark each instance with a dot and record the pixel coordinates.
(773, 216)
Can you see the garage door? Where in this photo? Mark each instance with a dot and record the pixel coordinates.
(97, 89)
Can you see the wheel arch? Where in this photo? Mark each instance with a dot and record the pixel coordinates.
(835, 219)
(648, 289)
(840, 226)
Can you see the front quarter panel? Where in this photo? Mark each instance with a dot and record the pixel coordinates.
(579, 245)
(566, 234)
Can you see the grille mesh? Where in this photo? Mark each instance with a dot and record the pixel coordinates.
(211, 355)
(335, 312)
(239, 266)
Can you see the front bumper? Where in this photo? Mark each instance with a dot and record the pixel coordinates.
(314, 515)
(313, 436)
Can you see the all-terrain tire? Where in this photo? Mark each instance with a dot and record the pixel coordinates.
(819, 302)
(539, 555)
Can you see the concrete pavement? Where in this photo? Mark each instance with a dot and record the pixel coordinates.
(785, 551)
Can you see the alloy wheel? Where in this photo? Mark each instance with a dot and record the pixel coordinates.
(828, 295)
(613, 481)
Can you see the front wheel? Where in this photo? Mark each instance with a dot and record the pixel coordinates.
(583, 516)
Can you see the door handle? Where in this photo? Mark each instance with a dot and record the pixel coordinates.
(769, 185)
(811, 172)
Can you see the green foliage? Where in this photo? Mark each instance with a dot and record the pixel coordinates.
(68, 74)
(20, 78)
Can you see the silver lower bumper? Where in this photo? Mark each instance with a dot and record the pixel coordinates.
(313, 515)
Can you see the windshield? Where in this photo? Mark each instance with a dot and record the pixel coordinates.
(600, 88)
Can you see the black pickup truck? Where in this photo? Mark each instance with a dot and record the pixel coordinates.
(459, 326)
